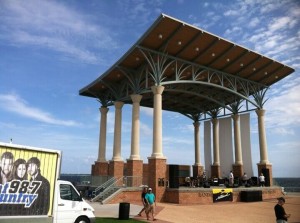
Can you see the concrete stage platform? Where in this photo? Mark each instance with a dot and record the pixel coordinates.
(200, 195)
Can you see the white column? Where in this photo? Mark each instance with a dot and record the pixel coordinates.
(262, 136)
(237, 139)
(102, 136)
(157, 121)
(117, 132)
(216, 146)
(135, 127)
(197, 143)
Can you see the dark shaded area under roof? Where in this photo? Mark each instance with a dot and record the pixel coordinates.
(201, 72)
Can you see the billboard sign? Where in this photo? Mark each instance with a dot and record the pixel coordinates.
(27, 179)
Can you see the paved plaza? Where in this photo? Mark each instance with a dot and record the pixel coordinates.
(237, 212)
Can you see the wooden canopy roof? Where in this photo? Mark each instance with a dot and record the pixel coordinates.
(201, 72)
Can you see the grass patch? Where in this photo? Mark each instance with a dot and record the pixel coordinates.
(108, 220)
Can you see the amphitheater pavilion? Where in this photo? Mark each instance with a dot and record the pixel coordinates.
(178, 67)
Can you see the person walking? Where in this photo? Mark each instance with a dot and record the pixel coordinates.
(144, 192)
(281, 216)
(150, 198)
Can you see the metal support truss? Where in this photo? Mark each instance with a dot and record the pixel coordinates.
(217, 89)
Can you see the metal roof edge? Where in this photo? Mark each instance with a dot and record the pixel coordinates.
(161, 16)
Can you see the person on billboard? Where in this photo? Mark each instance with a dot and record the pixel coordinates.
(6, 167)
(40, 186)
(20, 170)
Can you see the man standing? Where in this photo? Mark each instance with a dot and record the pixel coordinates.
(262, 180)
(42, 203)
(281, 216)
(231, 179)
(150, 198)
(245, 179)
(7, 163)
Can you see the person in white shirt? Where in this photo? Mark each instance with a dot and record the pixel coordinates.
(231, 178)
(261, 180)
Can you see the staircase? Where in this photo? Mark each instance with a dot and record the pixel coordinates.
(113, 186)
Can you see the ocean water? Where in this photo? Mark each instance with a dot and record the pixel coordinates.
(289, 184)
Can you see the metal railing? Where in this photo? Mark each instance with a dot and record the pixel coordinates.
(103, 186)
(113, 185)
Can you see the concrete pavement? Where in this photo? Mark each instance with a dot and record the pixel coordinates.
(222, 212)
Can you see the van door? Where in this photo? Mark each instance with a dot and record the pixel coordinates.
(68, 205)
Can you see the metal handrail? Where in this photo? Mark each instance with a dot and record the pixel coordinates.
(105, 185)
(126, 181)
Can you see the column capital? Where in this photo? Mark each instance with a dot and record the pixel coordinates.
(196, 124)
(157, 89)
(136, 98)
(215, 120)
(235, 117)
(260, 112)
(103, 110)
(118, 104)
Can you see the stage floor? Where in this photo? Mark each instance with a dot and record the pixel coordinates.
(200, 195)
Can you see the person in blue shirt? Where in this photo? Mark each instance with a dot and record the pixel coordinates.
(150, 199)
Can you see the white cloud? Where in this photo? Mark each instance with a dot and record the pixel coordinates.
(231, 13)
(147, 111)
(54, 26)
(15, 104)
(283, 108)
(254, 22)
(282, 23)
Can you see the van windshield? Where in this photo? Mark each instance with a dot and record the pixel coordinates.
(67, 192)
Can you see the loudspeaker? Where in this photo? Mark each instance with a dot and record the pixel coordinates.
(266, 173)
(173, 176)
(247, 185)
(249, 196)
(206, 185)
(254, 181)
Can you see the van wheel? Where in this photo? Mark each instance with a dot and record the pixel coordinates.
(82, 220)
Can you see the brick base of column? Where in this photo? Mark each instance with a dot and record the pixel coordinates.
(197, 170)
(238, 170)
(260, 168)
(135, 170)
(215, 171)
(100, 169)
(116, 169)
(157, 171)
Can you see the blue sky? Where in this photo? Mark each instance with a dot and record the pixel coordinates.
(49, 50)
